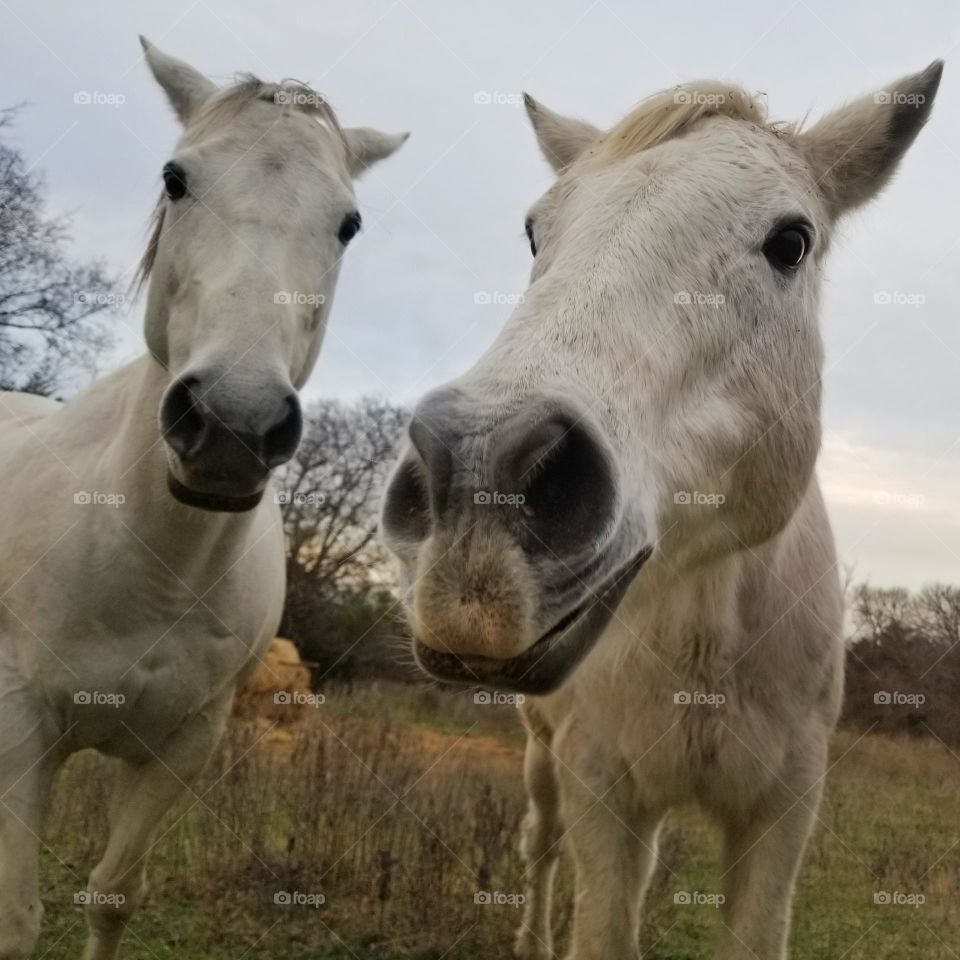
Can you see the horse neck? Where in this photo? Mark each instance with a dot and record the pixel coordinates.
(680, 619)
(183, 539)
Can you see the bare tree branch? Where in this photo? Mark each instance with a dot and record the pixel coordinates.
(51, 306)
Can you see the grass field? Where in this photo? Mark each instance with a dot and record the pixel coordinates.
(382, 813)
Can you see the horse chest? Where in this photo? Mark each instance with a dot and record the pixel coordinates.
(128, 691)
(671, 751)
(135, 644)
(720, 754)
(674, 746)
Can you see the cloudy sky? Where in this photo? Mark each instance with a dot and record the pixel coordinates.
(444, 217)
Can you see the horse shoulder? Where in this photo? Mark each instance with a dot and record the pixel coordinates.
(24, 407)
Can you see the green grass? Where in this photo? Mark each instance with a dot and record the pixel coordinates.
(399, 875)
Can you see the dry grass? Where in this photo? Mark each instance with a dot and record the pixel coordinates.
(398, 805)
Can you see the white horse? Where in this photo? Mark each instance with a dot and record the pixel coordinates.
(615, 510)
(142, 569)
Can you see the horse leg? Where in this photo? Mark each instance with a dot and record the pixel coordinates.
(763, 853)
(144, 792)
(540, 847)
(615, 849)
(25, 777)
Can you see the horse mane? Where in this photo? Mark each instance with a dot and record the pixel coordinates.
(288, 94)
(145, 266)
(669, 113)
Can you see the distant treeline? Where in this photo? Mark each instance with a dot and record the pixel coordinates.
(903, 662)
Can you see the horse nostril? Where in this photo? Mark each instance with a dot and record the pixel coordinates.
(420, 486)
(406, 505)
(280, 442)
(564, 475)
(181, 420)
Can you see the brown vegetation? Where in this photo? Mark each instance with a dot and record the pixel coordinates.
(397, 805)
(903, 663)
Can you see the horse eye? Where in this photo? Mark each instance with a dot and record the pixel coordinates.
(174, 181)
(350, 227)
(786, 248)
(528, 229)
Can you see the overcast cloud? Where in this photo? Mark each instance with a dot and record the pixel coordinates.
(444, 217)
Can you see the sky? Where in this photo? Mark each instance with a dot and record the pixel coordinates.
(443, 218)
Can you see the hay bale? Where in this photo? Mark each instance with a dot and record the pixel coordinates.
(277, 686)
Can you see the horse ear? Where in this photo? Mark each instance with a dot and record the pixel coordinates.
(366, 146)
(186, 88)
(855, 150)
(561, 139)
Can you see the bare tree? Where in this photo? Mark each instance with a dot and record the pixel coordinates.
(339, 598)
(331, 488)
(51, 306)
(938, 614)
(882, 613)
